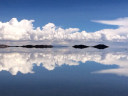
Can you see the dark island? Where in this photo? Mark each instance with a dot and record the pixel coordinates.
(100, 46)
(28, 46)
(80, 46)
(3, 46)
(37, 46)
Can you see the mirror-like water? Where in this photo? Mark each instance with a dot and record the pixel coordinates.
(63, 72)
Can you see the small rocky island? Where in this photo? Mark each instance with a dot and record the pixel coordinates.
(100, 46)
(80, 46)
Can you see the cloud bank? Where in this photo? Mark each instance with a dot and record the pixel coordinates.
(24, 30)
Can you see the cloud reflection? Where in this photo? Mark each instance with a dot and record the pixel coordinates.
(24, 61)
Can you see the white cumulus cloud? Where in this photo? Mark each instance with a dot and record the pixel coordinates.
(24, 30)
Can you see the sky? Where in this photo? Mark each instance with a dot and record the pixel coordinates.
(65, 13)
(89, 20)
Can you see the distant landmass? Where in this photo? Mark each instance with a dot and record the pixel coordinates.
(28, 46)
(99, 46)
(3, 46)
(37, 46)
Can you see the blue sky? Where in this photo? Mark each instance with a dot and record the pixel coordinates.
(65, 13)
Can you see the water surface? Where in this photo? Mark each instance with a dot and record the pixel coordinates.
(63, 72)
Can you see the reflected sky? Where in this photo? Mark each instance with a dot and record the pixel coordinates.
(63, 72)
(23, 60)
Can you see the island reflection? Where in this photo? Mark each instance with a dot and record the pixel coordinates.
(23, 60)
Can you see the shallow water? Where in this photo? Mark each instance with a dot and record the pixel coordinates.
(64, 72)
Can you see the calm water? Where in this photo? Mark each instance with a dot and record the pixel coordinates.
(63, 72)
